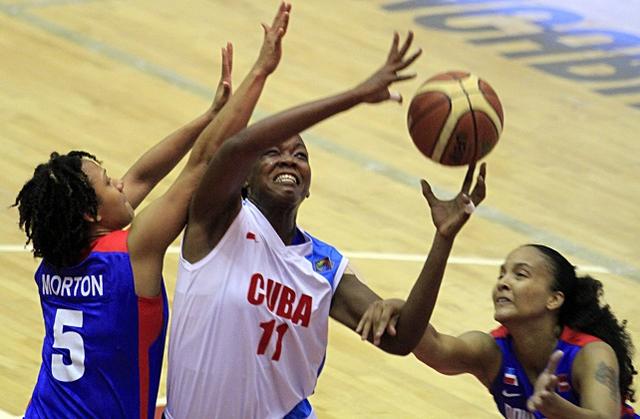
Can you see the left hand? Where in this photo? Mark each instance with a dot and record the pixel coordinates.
(545, 387)
(375, 89)
(271, 50)
(223, 92)
(381, 315)
(449, 216)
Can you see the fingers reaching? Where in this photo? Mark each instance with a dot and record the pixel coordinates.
(428, 193)
(396, 57)
(376, 88)
(227, 63)
(223, 91)
(468, 178)
(554, 360)
(394, 46)
(480, 190)
(406, 44)
(280, 21)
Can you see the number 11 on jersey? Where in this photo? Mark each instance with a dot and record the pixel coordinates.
(267, 328)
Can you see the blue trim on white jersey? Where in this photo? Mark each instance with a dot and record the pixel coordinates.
(301, 411)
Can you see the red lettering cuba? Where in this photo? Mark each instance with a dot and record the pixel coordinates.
(280, 299)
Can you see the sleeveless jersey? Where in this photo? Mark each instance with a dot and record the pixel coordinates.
(103, 345)
(511, 388)
(250, 323)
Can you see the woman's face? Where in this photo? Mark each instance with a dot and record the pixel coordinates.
(114, 210)
(524, 287)
(282, 174)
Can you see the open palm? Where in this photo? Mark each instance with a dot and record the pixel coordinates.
(449, 216)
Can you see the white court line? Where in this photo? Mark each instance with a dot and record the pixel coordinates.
(400, 257)
(5, 415)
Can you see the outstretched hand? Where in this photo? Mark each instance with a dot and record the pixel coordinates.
(223, 92)
(271, 50)
(449, 216)
(376, 88)
(545, 387)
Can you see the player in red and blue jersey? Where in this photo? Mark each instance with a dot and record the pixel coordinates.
(101, 289)
(559, 353)
(512, 389)
(102, 352)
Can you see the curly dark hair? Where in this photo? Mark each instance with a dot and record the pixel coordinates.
(53, 205)
(582, 310)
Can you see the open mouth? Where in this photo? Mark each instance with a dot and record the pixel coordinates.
(286, 179)
(502, 300)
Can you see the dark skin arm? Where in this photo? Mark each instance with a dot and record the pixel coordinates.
(352, 299)
(217, 200)
(147, 242)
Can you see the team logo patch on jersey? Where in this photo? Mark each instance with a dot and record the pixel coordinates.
(323, 265)
(510, 377)
(563, 383)
(251, 236)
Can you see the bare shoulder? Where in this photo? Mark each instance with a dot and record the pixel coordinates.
(486, 356)
(596, 364)
(593, 354)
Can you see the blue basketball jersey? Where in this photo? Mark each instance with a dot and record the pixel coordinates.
(511, 388)
(103, 345)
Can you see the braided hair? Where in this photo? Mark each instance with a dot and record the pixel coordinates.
(53, 205)
(582, 310)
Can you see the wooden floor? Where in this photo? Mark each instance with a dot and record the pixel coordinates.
(112, 77)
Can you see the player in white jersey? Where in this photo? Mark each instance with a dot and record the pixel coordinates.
(255, 291)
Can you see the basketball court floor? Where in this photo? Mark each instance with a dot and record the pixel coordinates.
(114, 76)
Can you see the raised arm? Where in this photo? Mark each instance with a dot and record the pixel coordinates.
(147, 241)
(158, 161)
(352, 298)
(237, 112)
(217, 200)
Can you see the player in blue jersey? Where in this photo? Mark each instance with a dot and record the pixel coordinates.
(560, 352)
(100, 286)
(255, 291)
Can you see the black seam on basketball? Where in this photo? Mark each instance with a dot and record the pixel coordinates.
(475, 124)
(433, 108)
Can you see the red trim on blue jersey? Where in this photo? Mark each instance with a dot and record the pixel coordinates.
(568, 335)
(500, 332)
(116, 241)
(577, 338)
(627, 412)
(150, 321)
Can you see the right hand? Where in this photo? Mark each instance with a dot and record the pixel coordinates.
(271, 50)
(544, 391)
(223, 92)
(376, 88)
(449, 216)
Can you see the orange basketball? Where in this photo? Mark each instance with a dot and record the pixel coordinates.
(455, 118)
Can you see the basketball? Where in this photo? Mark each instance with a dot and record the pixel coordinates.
(455, 118)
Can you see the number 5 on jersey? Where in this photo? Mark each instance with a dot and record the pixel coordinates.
(71, 341)
(267, 328)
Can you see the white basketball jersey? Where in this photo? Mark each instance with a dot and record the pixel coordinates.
(249, 324)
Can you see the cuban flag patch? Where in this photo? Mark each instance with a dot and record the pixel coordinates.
(510, 377)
